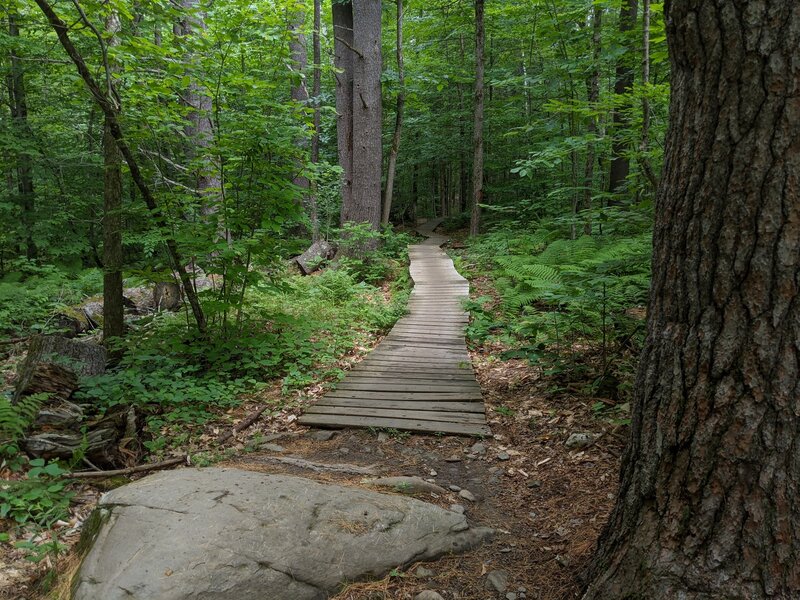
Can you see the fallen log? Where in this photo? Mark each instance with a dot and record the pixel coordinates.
(310, 260)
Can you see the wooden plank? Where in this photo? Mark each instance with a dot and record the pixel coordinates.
(378, 386)
(432, 381)
(384, 372)
(407, 396)
(471, 407)
(391, 413)
(402, 424)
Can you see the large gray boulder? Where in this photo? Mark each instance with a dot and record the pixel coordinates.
(229, 534)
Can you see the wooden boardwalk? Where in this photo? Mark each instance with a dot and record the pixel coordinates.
(419, 377)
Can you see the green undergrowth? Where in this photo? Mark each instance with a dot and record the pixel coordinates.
(574, 306)
(295, 330)
(31, 292)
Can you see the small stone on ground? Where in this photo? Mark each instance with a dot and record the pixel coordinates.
(497, 581)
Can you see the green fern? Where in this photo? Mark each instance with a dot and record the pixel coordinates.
(15, 419)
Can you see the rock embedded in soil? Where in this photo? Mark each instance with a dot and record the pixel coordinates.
(271, 448)
(229, 534)
(422, 572)
(503, 456)
(478, 448)
(322, 435)
(579, 440)
(497, 581)
(458, 508)
(467, 495)
(428, 595)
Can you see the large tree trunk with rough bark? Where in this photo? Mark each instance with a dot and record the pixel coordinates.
(343, 57)
(367, 116)
(620, 163)
(710, 481)
(477, 135)
(316, 90)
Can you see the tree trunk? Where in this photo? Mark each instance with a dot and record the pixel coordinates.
(620, 164)
(477, 136)
(593, 89)
(710, 485)
(299, 92)
(19, 115)
(343, 57)
(398, 120)
(365, 206)
(113, 323)
(645, 143)
(109, 111)
(316, 91)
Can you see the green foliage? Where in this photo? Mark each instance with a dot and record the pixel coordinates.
(40, 498)
(559, 295)
(15, 420)
(31, 292)
(295, 330)
(370, 255)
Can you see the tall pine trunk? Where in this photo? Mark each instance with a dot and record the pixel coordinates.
(113, 323)
(343, 57)
(367, 116)
(710, 482)
(316, 90)
(398, 120)
(477, 136)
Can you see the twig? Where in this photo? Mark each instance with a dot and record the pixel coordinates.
(137, 469)
(243, 424)
(13, 341)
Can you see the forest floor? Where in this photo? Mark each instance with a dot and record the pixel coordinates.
(547, 502)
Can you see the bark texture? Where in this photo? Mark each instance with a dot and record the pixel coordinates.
(710, 482)
(367, 116)
(343, 57)
(477, 135)
(316, 90)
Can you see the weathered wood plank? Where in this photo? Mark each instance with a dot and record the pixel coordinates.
(416, 396)
(402, 424)
(391, 413)
(470, 407)
(378, 386)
